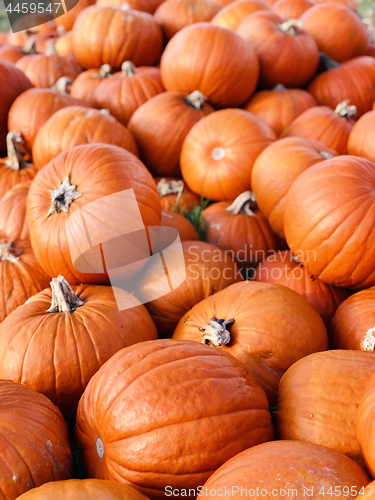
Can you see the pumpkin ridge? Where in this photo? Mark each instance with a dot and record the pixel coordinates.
(21, 458)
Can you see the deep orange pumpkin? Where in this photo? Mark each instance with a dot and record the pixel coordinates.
(360, 141)
(184, 227)
(84, 85)
(175, 195)
(13, 222)
(234, 13)
(365, 425)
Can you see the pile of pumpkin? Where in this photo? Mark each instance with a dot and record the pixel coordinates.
(248, 127)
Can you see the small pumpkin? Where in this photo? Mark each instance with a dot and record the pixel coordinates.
(360, 141)
(232, 15)
(175, 195)
(13, 53)
(292, 9)
(64, 43)
(13, 221)
(183, 226)
(365, 425)
(84, 85)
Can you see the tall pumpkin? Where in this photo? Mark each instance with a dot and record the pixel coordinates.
(365, 425)
(232, 15)
(125, 417)
(360, 141)
(13, 221)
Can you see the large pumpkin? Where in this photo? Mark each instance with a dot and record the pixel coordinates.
(76, 125)
(13, 221)
(85, 84)
(365, 425)
(57, 341)
(160, 141)
(178, 408)
(266, 327)
(275, 170)
(34, 441)
(175, 195)
(213, 60)
(232, 15)
(219, 152)
(75, 178)
(329, 221)
(318, 400)
(12, 83)
(360, 141)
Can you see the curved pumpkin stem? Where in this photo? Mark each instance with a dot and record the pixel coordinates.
(128, 69)
(291, 26)
(8, 253)
(15, 159)
(196, 99)
(245, 203)
(63, 85)
(216, 333)
(63, 298)
(328, 62)
(63, 197)
(325, 155)
(368, 343)
(50, 48)
(29, 47)
(279, 86)
(343, 109)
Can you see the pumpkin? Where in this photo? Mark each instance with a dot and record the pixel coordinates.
(64, 43)
(219, 152)
(149, 6)
(175, 195)
(76, 177)
(318, 400)
(173, 15)
(360, 141)
(329, 221)
(106, 35)
(209, 269)
(160, 141)
(126, 420)
(84, 85)
(353, 326)
(292, 9)
(232, 15)
(34, 441)
(353, 4)
(338, 31)
(86, 489)
(287, 54)
(68, 19)
(33, 108)
(266, 327)
(12, 83)
(125, 91)
(272, 467)
(241, 229)
(183, 226)
(280, 106)
(213, 60)
(88, 328)
(365, 425)
(13, 53)
(275, 170)
(283, 268)
(20, 275)
(76, 125)
(13, 222)
(336, 85)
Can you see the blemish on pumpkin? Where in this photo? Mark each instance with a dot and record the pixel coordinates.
(99, 448)
(368, 342)
(218, 154)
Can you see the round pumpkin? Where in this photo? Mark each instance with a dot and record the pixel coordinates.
(219, 152)
(76, 125)
(57, 341)
(365, 425)
(127, 419)
(76, 177)
(266, 327)
(360, 141)
(84, 85)
(323, 124)
(175, 195)
(318, 400)
(232, 15)
(13, 53)
(106, 35)
(13, 222)
(160, 141)
(125, 91)
(353, 326)
(213, 60)
(292, 9)
(64, 43)
(183, 226)
(280, 106)
(329, 221)
(34, 441)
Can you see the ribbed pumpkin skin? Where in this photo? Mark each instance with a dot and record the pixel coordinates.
(218, 410)
(292, 9)
(231, 15)
(12, 83)
(74, 126)
(329, 220)
(184, 227)
(57, 353)
(272, 467)
(365, 425)
(185, 202)
(360, 141)
(84, 86)
(131, 35)
(352, 325)
(32, 109)
(13, 221)
(219, 152)
(338, 31)
(34, 441)
(213, 60)
(86, 489)
(275, 170)
(273, 328)
(83, 165)
(208, 270)
(319, 397)
(322, 124)
(281, 269)
(334, 86)
(278, 108)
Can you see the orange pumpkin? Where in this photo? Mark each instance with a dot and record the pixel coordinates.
(292, 9)
(13, 53)
(183, 226)
(84, 85)
(64, 43)
(175, 195)
(68, 19)
(149, 6)
(232, 15)
(360, 141)
(13, 222)
(365, 425)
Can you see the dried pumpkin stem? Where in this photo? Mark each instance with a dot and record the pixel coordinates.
(63, 298)
(8, 253)
(325, 155)
(173, 187)
(291, 26)
(61, 31)
(105, 70)
(343, 109)
(196, 99)
(50, 48)
(279, 86)
(295, 259)
(245, 203)
(328, 62)
(29, 47)
(63, 85)
(216, 333)
(15, 160)
(368, 342)
(63, 197)
(128, 69)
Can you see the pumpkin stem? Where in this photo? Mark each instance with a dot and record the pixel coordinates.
(165, 188)
(295, 259)
(105, 70)
(291, 26)
(279, 86)
(325, 155)
(196, 99)
(61, 31)
(328, 62)
(50, 48)
(126, 7)
(63, 85)
(168, 216)
(15, 159)
(105, 111)
(63, 197)
(245, 203)
(343, 109)
(128, 69)
(63, 298)
(8, 253)
(29, 47)
(216, 333)
(368, 342)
